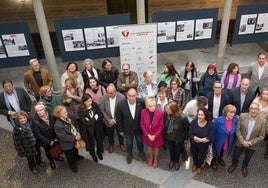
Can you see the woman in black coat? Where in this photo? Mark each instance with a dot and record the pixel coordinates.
(43, 127)
(66, 129)
(177, 126)
(91, 126)
(25, 142)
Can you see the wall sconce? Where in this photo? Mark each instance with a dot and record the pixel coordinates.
(22, 1)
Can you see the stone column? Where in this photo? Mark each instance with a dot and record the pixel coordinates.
(140, 11)
(224, 33)
(46, 42)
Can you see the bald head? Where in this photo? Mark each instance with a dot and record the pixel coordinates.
(111, 91)
(244, 85)
(132, 95)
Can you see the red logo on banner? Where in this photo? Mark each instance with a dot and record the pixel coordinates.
(125, 34)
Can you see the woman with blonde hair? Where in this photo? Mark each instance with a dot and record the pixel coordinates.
(71, 97)
(148, 88)
(152, 124)
(177, 126)
(43, 127)
(224, 130)
(66, 129)
(73, 73)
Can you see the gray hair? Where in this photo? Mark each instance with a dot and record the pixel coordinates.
(91, 62)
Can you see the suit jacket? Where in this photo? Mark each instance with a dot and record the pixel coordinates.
(105, 107)
(253, 75)
(24, 101)
(30, 83)
(122, 80)
(235, 99)
(223, 103)
(124, 119)
(257, 134)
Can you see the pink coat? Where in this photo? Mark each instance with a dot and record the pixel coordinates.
(156, 128)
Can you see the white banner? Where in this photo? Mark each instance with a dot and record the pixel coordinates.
(138, 47)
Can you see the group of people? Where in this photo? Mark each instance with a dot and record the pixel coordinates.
(183, 107)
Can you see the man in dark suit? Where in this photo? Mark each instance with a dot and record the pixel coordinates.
(241, 97)
(12, 100)
(217, 100)
(128, 120)
(108, 106)
(250, 131)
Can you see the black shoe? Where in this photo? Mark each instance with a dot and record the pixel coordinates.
(35, 171)
(170, 165)
(177, 166)
(74, 169)
(245, 172)
(142, 156)
(79, 157)
(231, 168)
(266, 155)
(42, 164)
(53, 165)
(129, 159)
(94, 157)
(100, 156)
(221, 161)
(61, 159)
(214, 165)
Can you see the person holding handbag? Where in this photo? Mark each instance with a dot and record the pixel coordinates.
(66, 129)
(200, 134)
(43, 127)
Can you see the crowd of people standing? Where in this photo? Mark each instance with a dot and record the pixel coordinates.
(228, 113)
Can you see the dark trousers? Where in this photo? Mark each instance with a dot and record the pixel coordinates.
(32, 161)
(71, 157)
(238, 151)
(175, 150)
(199, 152)
(49, 157)
(90, 133)
(110, 134)
(129, 141)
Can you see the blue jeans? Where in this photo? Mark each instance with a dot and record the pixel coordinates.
(238, 151)
(129, 142)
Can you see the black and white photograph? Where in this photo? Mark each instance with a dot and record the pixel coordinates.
(247, 24)
(73, 40)
(95, 38)
(15, 45)
(262, 23)
(185, 30)
(166, 32)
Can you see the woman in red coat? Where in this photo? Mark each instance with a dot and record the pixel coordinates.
(152, 124)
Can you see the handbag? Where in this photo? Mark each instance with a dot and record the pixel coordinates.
(56, 150)
(79, 144)
(209, 155)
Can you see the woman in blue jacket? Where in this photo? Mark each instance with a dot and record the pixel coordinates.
(224, 134)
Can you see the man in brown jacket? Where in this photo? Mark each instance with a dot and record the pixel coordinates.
(250, 132)
(127, 79)
(36, 77)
